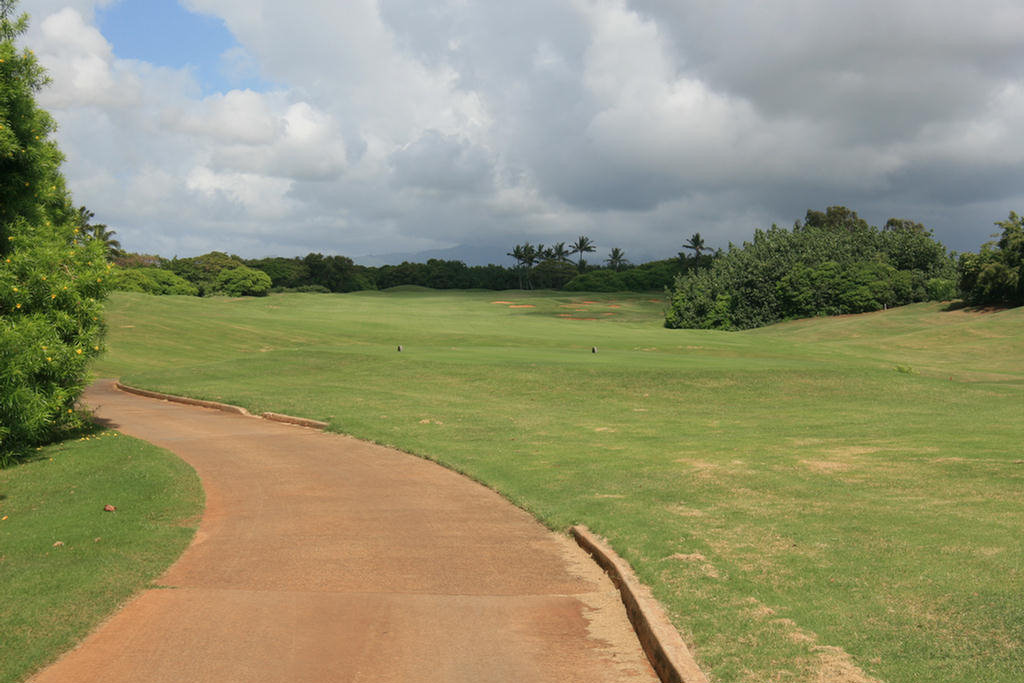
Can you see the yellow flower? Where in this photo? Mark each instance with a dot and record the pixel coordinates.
(49, 360)
(18, 306)
(15, 289)
(78, 351)
(53, 296)
(44, 277)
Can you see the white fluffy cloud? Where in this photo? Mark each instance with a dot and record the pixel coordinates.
(397, 125)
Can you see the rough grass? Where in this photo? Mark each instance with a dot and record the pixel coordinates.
(65, 563)
(829, 499)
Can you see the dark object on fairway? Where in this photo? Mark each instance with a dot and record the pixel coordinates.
(399, 348)
(109, 508)
(593, 349)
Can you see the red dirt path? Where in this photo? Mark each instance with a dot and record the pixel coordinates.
(323, 558)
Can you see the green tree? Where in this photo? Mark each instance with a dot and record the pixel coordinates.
(242, 281)
(617, 259)
(52, 278)
(526, 256)
(995, 275)
(559, 252)
(696, 244)
(582, 245)
(285, 273)
(336, 273)
(202, 271)
(99, 231)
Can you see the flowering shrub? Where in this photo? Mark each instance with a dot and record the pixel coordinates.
(52, 277)
(50, 326)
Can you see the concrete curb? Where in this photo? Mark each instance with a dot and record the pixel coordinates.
(224, 407)
(665, 649)
(291, 419)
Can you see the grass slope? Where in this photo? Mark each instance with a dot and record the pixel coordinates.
(836, 498)
(65, 564)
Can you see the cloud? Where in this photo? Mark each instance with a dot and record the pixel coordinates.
(395, 125)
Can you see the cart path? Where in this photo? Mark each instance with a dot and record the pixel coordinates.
(323, 558)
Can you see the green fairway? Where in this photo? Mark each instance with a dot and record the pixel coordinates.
(832, 499)
(65, 562)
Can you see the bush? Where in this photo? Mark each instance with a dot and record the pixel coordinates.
(242, 281)
(50, 288)
(940, 289)
(203, 271)
(151, 281)
(834, 263)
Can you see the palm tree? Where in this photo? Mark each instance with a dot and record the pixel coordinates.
(696, 243)
(582, 246)
(559, 252)
(98, 231)
(616, 259)
(526, 255)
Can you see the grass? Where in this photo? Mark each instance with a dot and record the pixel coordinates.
(836, 498)
(65, 563)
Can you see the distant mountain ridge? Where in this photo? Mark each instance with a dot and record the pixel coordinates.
(471, 255)
(478, 255)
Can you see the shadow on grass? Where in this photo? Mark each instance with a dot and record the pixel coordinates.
(961, 305)
(89, 427)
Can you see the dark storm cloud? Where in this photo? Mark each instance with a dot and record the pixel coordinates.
(406, 124)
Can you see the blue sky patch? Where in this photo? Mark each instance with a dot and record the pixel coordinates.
(164, 33)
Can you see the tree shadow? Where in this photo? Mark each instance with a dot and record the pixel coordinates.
(961, 305)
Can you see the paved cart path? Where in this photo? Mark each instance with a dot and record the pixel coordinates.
(323, 558)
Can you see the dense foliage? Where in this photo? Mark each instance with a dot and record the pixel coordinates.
(242, 281)
(833, 263)
(151, 281)
(656, 275)
(52, 275)
(203, 271)
(995, 275)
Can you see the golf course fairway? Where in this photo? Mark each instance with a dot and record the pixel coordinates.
(826, 499)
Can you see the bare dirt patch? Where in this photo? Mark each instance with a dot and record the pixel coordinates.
(702, 563)
(830, 664)
(845, 451)
(684, 511)
(827, 466)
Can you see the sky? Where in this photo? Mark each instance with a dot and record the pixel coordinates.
(363, 127)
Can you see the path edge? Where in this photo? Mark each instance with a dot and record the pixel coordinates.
(224, 407)
(660, 640)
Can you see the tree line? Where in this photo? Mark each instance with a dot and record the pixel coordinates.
(536, 266)
(830, 263)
